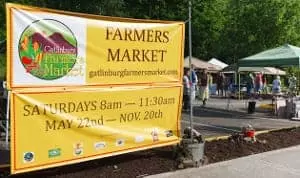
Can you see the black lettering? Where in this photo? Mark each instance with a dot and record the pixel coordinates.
(79, 108)
(80, 125)
(26, 109)
(62, 107)
(154, 55)
(162, 54)
(146, 115)
(35, 110)
(145, 55)
(50, 125)
(136, 54)
(86, 104)
(94, 105)
(87, 122)
(71, 107)
(126, 55)
(117, 34)
(69, 123)
(112, 57)
(128, 33)
(103, 104)
(108, 32)
(46, 107)
(150, 35)
(139, 37)
(52, 109)
(61, 125)
(166, 35)
(158, 36)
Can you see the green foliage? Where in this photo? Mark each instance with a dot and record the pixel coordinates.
(2, 66)
(255, 25)
(290, 71)
(224, 29)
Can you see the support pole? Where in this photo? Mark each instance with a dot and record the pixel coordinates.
(190, 64)
(7, 119)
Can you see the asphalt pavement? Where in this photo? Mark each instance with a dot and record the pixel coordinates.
(222, 117)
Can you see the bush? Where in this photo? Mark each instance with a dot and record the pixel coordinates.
(294, 71)
(2, 67)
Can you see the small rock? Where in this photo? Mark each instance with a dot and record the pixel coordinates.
(263, 141)
(180, 166)
(115, 167)
(248, 139)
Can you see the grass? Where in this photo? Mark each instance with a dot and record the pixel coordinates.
(2, 66)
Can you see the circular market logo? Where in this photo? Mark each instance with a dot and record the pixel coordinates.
(28, 157)
(48, 49)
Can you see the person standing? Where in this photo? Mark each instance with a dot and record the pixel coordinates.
(186, 90)
(276, 88)
(227, 80)
(292, 84)
(203, 82)
(221, 84)
(193, 82)
(258, 82)
(250, 83)
(265, 87)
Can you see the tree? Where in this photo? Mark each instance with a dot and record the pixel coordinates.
(225, 29)
(254, 25)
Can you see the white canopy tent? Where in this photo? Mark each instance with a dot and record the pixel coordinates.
(264, 70)
(200, 64)
(217, 62)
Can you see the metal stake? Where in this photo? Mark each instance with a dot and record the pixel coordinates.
(190, 63)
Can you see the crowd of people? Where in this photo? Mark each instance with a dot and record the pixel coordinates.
(255, 84)
(258, 84)
(197, 83)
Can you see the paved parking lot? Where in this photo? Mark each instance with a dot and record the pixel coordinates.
(216, 120)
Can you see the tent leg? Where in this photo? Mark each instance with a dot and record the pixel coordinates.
(235, 78)
(239, 86)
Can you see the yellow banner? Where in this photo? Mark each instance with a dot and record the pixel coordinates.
(57, 48)
(53, 128)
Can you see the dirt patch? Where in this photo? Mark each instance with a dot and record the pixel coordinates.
(160, 160)
(222, 150)
(137, 164)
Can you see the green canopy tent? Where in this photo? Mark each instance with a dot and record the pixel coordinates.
(283, 56)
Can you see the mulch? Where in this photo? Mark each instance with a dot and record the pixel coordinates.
(161, 160)
(222, 150)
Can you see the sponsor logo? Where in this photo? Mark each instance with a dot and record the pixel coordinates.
(169, 133)
(139, 139)
(54, 152)
(120, 142)
(78, 149)
(100, 145)
(48, 49)
(28, 157)
(154, 135)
